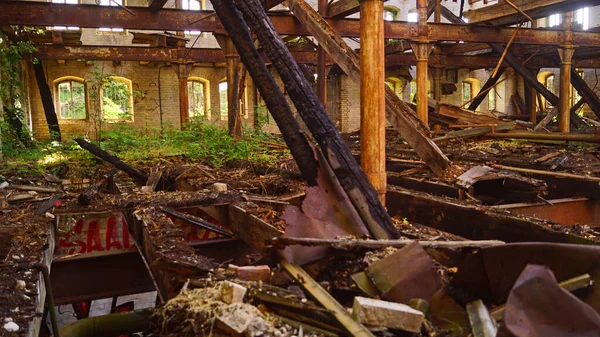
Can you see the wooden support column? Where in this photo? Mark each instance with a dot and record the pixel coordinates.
(182, 69)
(232, 62)
(564, 102)
(372, 95)
(437, 83)
(421, 51)
(321, 65)
(438, 11)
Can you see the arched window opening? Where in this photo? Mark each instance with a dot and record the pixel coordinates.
(117, 99)
(223, 104)
(71, 98)
(198, 97)
(396, 85)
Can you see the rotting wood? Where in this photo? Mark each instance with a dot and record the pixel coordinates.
(546, 120)
(153, 180)
(88, 195)
(322, 296)
(351, 177)
(547, 173)
(136, 174)
(275, 100)
(473, 222)
(250, 229)
(398, 113)
(281, 242)
(464, 116)
(40, 189)
(587, 94)
(569, 285)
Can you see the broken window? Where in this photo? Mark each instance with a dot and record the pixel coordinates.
(198, 97)
(467, 91)
(223, 106)
(575, 97)
(390, 14)
(117, 99)
(549, 84)
(71, 98)
(192, 5)
(70, 2)
(113, 3)
(582, 18)
(492, 99)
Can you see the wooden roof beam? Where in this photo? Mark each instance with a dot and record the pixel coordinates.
(501, 14)
(92, 16)
(156, 4)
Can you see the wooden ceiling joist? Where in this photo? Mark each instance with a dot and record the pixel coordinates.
(91, 16)
(501, 14)
(343, 8)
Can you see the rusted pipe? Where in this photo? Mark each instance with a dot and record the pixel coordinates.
(567, 137)
(122, 323)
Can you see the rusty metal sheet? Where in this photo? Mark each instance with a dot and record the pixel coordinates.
(491, 272)
(408, 273)
(538, 306)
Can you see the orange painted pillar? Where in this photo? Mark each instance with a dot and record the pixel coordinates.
(372, 94)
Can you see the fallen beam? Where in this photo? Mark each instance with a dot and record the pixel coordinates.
(398, 113)
(566, 137)
(351, 177)
(379, 244)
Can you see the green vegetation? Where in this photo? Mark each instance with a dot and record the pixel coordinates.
(200, 141)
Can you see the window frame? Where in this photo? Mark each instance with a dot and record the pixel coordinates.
(492, 100)
(202, 4)
(57, 104)
(131, 113)
(551, 76)
(206, 84)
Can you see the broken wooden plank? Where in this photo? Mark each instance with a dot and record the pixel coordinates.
(400, 115)
(475, 132)
(197, 221)
(350, 175)
(340, 313)
(482, 324)
(379, 244)
(464, 116)
(563, 137)
(251, 229)
(39, 189)
(547, 173)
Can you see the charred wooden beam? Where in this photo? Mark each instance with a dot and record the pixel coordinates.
(114, 160)
(587, 94)
(156, 4)
(343, 8)
(47, 102)
(350, 175)
(92, 16)
(275, 100)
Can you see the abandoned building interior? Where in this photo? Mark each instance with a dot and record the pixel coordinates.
(300, 168)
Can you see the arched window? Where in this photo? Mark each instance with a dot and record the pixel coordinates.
(492, 95)
(390, 13)
(549, 84)
(413, 89)
(117, 99)
(71, 98)
(198, 96)
(470, 87)
(223, 106)
(396, 85)
(575, 97)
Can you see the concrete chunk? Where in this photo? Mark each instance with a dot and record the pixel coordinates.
(387, 314)
(232, 292)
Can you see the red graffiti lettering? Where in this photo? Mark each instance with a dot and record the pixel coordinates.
(93, 238)
(112, 236)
